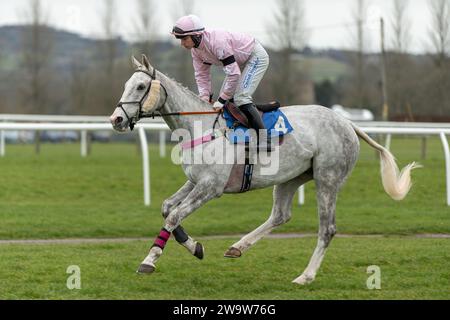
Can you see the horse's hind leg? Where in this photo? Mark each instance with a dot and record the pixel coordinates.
(281, 213)
(327, 189)
(194, 247)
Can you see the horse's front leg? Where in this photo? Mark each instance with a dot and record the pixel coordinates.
(194, 247)
(176, 198)
(203, 191)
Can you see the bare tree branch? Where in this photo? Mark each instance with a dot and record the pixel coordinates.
(440, 38)
(182, 8)
(401, 26)
(359, 16)
(399, 65)
(145, 24)
(440, 30)
(185, 71)
(287, 31)
(108, 51)
(288, 34)
(36, 48)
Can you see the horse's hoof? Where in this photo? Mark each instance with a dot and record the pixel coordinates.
(303, 280)
(199, 250)
(233, 253)
(145, 269)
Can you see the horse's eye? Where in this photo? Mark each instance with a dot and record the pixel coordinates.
(141, 87)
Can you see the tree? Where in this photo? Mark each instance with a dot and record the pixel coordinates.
(288, 30)
(145, 25)
(399, 65)
(401, 26)
(440, 30)
(109, 23)
(440, 38)
(359, 16)
(36, 48)
(184, 71)
(325, 93)
(79, 86)
(108, 52)
(288, 34)
(357, 89)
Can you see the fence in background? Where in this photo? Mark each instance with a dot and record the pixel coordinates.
(93, 123)
(62, 119)
(84, 127)
(440, 130)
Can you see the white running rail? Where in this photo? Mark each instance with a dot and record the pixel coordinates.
(83, 127)
(441, 130)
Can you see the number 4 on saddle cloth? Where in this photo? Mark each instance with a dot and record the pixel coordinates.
(276, 123)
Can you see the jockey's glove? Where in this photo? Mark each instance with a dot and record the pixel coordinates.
(218, 105)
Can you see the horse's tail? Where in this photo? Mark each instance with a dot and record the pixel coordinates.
(395, 183)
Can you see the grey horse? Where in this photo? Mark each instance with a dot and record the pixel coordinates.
(323, 147)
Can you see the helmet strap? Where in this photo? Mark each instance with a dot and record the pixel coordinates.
(197, 39)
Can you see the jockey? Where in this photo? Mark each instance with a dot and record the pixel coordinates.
(234, 52)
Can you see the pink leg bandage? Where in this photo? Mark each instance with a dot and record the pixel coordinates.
(162, 238)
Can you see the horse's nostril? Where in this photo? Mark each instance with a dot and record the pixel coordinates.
(119, 120)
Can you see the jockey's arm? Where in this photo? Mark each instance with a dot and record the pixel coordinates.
(202, 78)
(233, 73)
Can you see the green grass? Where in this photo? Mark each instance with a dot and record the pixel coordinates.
(410, 269)
(58, 194)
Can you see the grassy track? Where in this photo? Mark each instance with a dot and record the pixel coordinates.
(58, 194)
(410, 269)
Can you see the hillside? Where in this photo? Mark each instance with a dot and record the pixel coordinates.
(68, 46)
(80, 64)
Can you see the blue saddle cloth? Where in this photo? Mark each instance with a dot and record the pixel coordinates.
(275, 121)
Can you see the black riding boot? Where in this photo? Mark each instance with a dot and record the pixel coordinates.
(254, 119)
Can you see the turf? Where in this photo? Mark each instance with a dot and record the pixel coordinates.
(410, 269)
(58, 194)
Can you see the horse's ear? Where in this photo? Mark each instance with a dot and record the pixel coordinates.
(145, 62)
(135, 62)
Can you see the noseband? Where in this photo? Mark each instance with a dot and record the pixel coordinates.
(132, 120)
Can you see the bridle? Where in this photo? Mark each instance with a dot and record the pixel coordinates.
(132, 120)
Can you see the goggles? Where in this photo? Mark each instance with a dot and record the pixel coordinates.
(180, 33)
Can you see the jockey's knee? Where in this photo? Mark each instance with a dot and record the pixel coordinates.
(241, 99)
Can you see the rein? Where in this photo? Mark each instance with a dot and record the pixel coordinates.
(188, 113)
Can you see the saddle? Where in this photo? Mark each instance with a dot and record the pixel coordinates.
(241, 118)
(275, 122)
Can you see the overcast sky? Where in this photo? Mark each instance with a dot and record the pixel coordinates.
(329, 22)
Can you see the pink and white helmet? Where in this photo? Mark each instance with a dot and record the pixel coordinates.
(188, 26)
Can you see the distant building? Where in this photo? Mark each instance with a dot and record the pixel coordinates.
(353, 114)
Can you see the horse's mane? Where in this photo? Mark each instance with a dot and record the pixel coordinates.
(184, 89)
